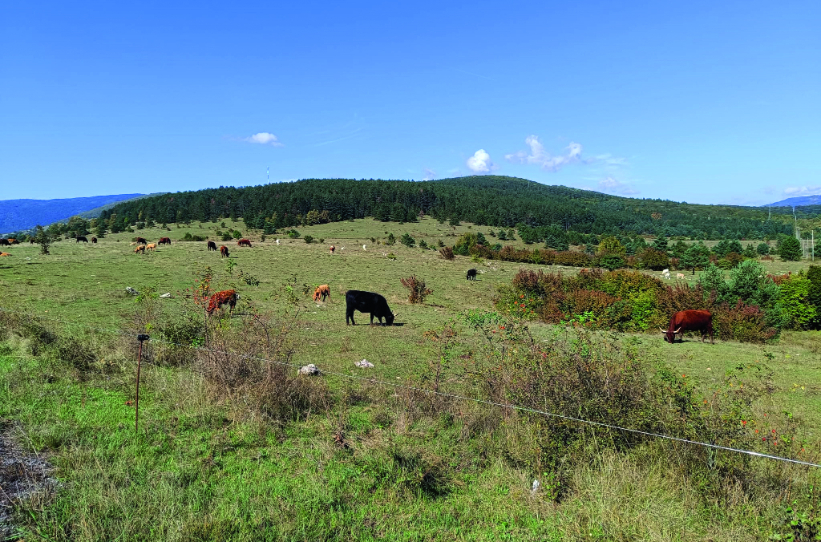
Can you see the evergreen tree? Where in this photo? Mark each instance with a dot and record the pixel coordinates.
(763, 249)
(790, 250)
(697, 256)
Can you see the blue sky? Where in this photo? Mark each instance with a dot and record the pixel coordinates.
(712, 102)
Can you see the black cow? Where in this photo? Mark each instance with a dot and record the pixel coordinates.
(471, 274)
(367, 302)
(212, 245)
(81, 238)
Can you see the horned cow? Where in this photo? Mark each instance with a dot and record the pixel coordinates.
(370, 302)
(691, 320)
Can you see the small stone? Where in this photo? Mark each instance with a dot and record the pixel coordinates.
(535, 487)
(364, 364)
(309, 369)
(166, 295)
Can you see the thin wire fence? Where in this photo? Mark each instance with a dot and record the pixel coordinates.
(454, 396)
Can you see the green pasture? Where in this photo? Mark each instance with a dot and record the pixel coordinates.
(195, 472)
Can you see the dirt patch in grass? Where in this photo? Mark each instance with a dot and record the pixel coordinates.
(23, 475)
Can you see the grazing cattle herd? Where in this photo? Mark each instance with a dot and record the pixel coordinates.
(377, 306)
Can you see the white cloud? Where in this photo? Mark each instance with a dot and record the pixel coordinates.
(802, 190)
(480, 162)
(609, 184)
(429, 174)
(539, 156)
(264, 138)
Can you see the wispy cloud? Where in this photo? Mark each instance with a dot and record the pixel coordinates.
(480, 162)
(537, 155)
(429, 174)
(613, 186)
(264, 138)
(802, 190)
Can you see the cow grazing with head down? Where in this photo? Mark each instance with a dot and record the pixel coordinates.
(4, 254)
(322, 292)
(244, 243)
(164, 241)
(81, 238)
(224, 251)
(140, 250)
(151, 246)
(225, 297)
(93, 240)
(332, 249)
(370, 302)
(692, 320)
(5, 242)
(212, 246)
(141, 241)
(471, 274)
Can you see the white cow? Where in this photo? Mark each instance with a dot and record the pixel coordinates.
(363, 247)
(666, 273)
(277, 241)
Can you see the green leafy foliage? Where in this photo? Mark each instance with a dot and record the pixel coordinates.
(790, 249)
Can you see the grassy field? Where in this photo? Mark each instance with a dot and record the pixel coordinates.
(202, 469)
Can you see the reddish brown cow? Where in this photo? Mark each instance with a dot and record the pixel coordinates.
(225, 297)
(12, 241)
(322, 292)
(224, 251)
(141, 241)
(332, 249)
(682, 321)
(164, 241)
(244, 243)
(212, 246)
(3, 254)
(93, 240)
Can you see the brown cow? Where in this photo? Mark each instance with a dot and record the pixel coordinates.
(141, 241)
(322, 292)
(689, 321)
(332, 249)
(93, 240)
(224, 251)
(12, 241)
(139, 249)
(244, 243)
(2, 254)
(212, 245)
(151, 246)
(225, 297)
(164, 241)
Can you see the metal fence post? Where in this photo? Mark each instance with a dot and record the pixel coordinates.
(142, 338)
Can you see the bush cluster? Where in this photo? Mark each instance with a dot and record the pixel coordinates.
(749, 308)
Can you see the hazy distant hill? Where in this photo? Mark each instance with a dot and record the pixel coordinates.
(22, 214)
(799, 201)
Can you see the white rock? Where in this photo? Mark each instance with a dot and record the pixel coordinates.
(535, 487)
(364, 364)
(166, 295)
(309, 369)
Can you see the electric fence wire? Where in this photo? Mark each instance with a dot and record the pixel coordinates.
(445, 394)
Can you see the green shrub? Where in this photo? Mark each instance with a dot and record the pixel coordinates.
(790, 250)
(763, 249)
(309, 239)
(407, 240)
(794, 302)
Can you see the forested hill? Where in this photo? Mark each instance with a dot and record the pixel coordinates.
(486, 200)
(21, 214)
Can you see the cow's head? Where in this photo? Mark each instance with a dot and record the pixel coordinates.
(390, 318)
(670, 336)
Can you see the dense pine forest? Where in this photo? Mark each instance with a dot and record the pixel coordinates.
(486, 200)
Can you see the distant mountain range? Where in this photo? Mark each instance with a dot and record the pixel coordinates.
(798, 201)
(22, 214)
